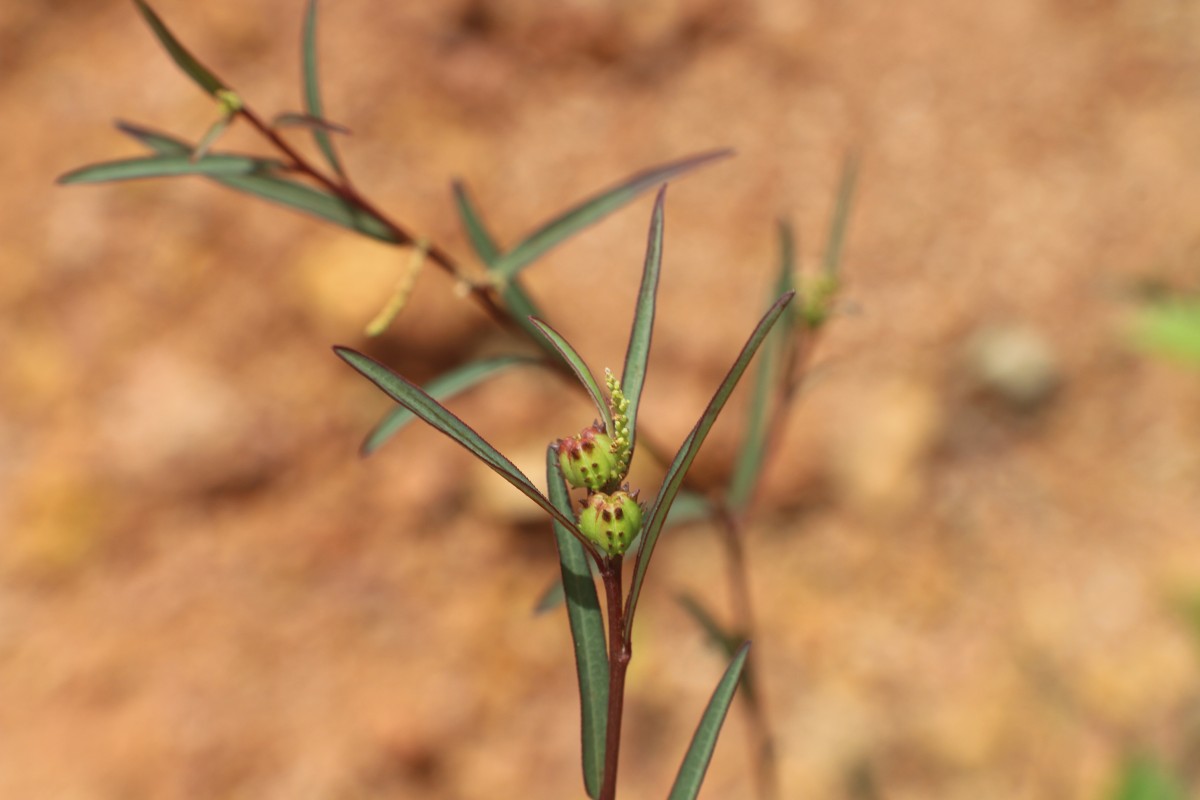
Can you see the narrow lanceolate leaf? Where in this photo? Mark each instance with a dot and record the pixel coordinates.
(168, 166)
(777, 351)
(210, 137)
(718, 637)
(593, 210)
(587, 632)
(580, 369)
(689, 507)
(292, 119)
(551, 598)
(314, 202)
(841, 215)
(431, 411)
(440, 388)
(292, 194)
(201, 74)
(673, 479)
(704, 741)
(477, 232)
(312, 87)
(633, 377)
(518, 302)
(160, 143)
(523, 309)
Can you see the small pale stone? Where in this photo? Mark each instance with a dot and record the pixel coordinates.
(1013, 363)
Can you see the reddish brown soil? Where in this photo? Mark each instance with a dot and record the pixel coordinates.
(204, 593)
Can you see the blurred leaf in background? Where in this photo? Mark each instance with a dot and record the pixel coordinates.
(1171, 328)
(1144, 778)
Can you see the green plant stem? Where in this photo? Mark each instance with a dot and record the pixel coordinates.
(619, 653)
(731, 531)
(761, 741)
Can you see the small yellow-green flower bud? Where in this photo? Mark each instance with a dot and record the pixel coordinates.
(818, 301)
(619, 406)
(587, 460)
(611, 521)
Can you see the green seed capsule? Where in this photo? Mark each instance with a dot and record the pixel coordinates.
(611, 521)
(587, 460)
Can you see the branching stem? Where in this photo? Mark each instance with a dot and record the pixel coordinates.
(761, 740)
(619, 650)
(731, 529)
(344, 189)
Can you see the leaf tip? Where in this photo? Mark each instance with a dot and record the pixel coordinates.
(367, 448)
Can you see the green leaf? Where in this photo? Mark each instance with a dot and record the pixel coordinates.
(1143, 778)
(699, 754)
(841, 216)
(292, 119)
(673, 479)
(522, 309)
(518, 302)
(313, 202)
(688, 507)
(163, 166)
(718, 637)
(772, 367)
(587, 633)
(633, 376)
(444, 386)
(551, 598)
(185, 60)
(431, 411)
(575, 361)
(160, 143)
(292, 194)
(211, 136)
(593, 210)
(1170, 328)
(481, 240)
(312, 87)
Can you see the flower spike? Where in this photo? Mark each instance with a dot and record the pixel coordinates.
(619, 405)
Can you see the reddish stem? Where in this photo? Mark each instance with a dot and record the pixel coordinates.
(762, 744)
(619, 653)
(345, 190)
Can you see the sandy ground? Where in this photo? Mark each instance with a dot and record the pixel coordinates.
(204, 593)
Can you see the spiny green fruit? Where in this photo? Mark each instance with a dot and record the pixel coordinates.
(611, 521)
(588, 460)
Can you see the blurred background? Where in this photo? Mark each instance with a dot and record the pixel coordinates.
(969, 558)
